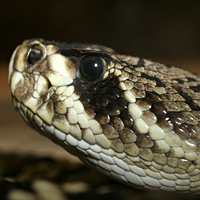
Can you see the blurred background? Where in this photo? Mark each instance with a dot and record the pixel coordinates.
(156, 29)
(165, 31)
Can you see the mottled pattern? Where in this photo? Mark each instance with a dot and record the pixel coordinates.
(138, 123)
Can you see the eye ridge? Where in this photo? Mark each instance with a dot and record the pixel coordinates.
(92, 68)
(33, 56)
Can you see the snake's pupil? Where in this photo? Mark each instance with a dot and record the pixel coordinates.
(33, 56)
(92, 68)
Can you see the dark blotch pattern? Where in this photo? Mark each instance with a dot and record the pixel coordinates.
(107, 101)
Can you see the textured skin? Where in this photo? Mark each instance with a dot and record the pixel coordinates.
(138, 123)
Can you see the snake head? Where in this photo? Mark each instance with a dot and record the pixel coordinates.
(58, 88)
(133, 119)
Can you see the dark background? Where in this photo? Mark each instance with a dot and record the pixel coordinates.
(163, 30)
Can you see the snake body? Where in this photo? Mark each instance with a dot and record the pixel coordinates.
(135, 120)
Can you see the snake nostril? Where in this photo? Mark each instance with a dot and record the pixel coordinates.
(33, 56)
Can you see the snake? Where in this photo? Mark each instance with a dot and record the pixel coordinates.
(135, 120)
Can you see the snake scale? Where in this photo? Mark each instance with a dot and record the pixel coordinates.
(134, 120)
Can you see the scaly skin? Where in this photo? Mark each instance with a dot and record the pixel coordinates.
(133, 119)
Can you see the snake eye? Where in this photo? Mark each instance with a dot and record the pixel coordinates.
(33, 56)
(92, 68)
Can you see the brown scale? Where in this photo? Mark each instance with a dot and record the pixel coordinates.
(102, 117)
(117, 145)
(138, 93)
(149, 88)
(144, 141)
(171, 106)
(157, 149)
(160, 158)
(131, 149)
(190, 118)
(126, 118)
(110, 132)
(143, 104)
(146, 154)
(164, 122)
(172, 162)
(158, 109)
(126, 135)
(195, 130)
(116, 123)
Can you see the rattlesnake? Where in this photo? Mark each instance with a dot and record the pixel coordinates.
(135, 120)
